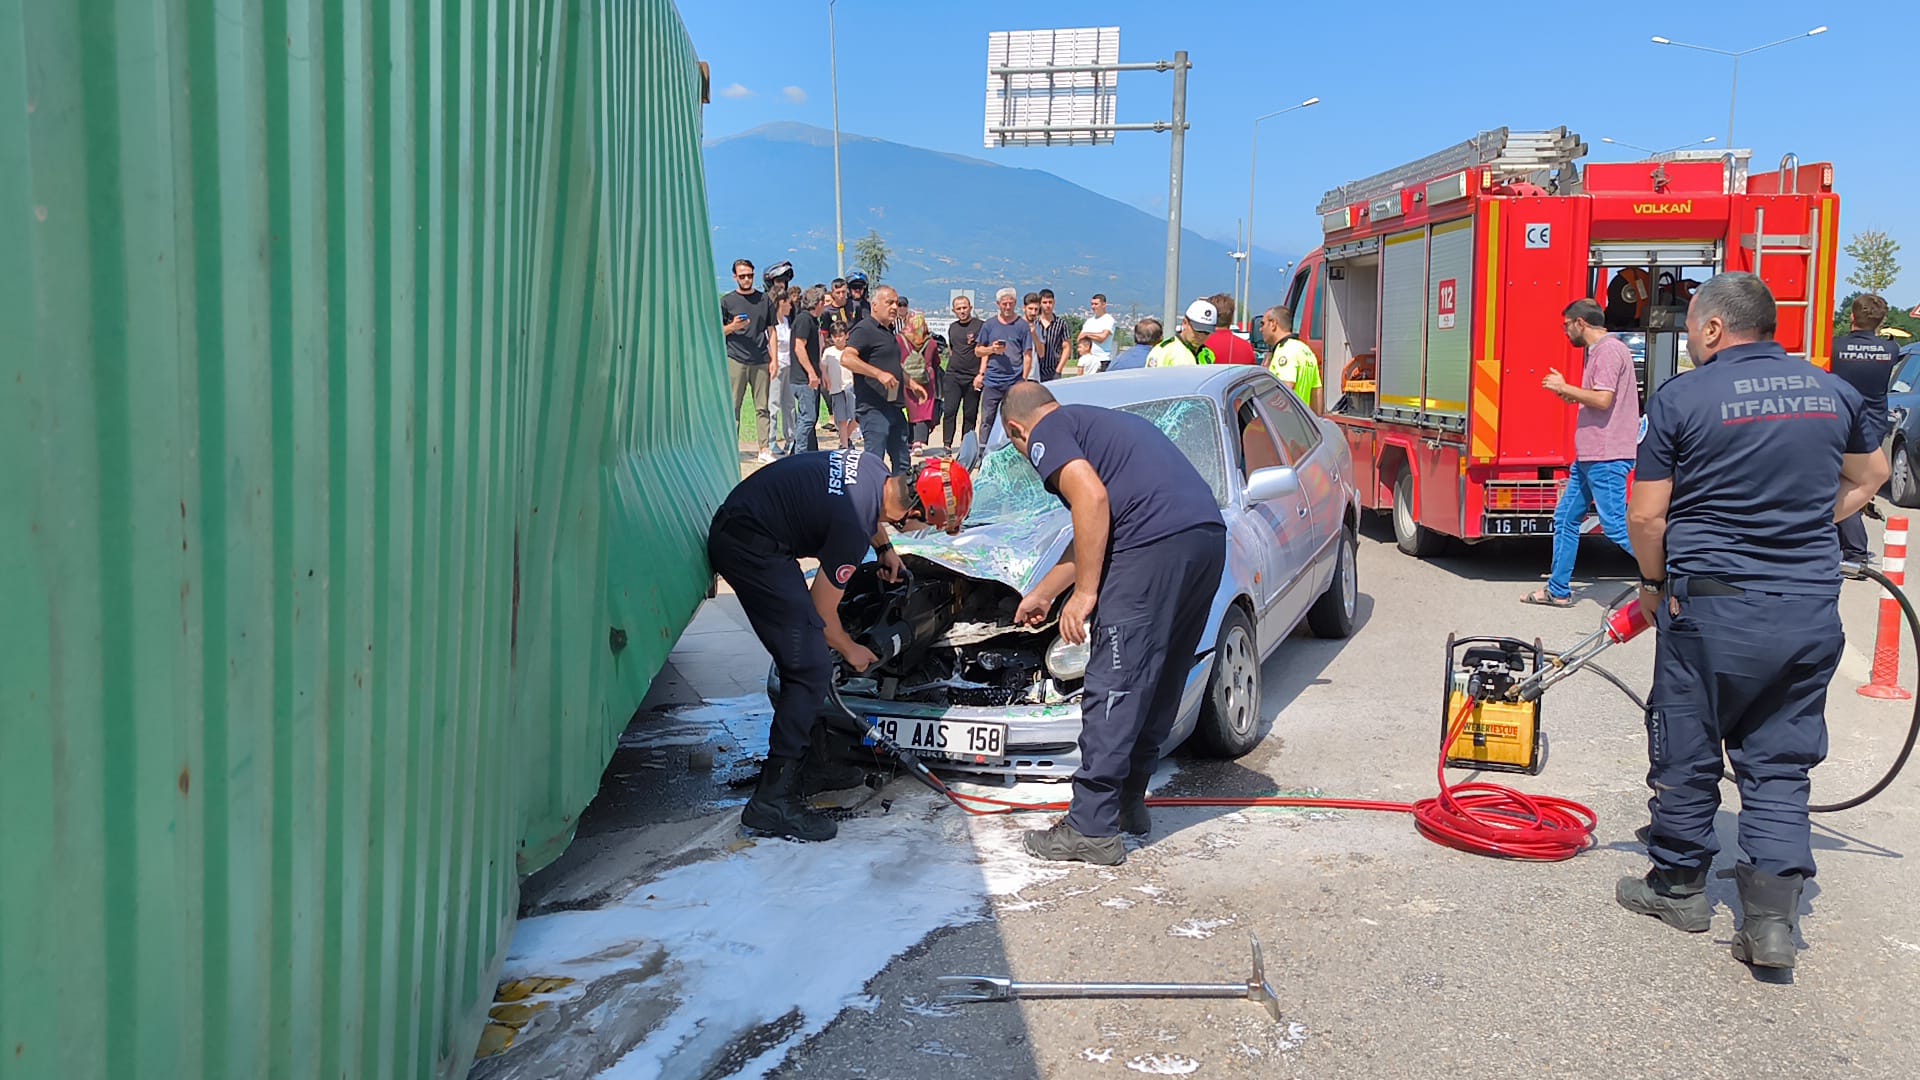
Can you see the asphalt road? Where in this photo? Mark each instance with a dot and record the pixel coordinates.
(1394, 957)
(1391, 956)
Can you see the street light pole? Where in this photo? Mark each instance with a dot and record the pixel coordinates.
(1733, 99)
(839, 225)
(1655, 153)
(1253, 164)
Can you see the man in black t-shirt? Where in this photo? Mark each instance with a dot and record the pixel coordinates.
(831, 506)
(1149, 548)
(880, 386)
(957, 391)
(752, 340)
(1865, 360)
(1745, 463)
(805, 372)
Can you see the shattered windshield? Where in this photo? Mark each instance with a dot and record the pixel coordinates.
(1006, 487)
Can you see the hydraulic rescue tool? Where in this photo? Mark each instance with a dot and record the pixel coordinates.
(969, 988)
(1505, 679)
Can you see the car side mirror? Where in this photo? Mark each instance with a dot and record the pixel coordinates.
(1274, 482)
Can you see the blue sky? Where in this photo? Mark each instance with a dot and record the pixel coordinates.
(1396, 81)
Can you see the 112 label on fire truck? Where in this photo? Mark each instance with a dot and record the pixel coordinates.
(1447, 303)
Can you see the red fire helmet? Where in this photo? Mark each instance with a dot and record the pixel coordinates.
(944, 492)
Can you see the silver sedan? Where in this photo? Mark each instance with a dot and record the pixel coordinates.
(976, 694)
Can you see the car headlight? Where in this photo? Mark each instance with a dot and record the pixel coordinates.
(1066, 660)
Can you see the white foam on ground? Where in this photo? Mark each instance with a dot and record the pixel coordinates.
(746, 935)
(1167, 1065)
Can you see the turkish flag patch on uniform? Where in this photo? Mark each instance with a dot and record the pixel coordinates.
(843, 574)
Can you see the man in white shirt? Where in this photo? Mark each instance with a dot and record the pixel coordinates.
(1099, 331)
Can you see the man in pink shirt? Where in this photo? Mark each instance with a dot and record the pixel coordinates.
(1606, 434)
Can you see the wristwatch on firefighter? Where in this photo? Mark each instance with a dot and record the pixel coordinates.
(1650, 585)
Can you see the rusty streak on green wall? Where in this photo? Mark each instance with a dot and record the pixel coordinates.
(360, 380)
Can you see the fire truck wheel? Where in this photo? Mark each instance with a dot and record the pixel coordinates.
(1905, 490)
(1413, 538)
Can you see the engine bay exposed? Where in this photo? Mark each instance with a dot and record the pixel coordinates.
(943, 638)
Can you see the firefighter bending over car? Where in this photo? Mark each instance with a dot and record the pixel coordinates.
(1149, 547)
(831, 506)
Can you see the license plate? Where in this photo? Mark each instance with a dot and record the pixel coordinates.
(1516, 526)
(950, 739)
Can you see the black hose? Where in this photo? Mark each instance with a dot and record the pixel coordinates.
(1638, 701)
(1913, 729)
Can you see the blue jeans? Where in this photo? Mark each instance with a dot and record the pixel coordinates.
(806, 418)
(1601, 485)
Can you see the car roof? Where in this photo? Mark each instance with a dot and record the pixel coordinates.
(1115, 388)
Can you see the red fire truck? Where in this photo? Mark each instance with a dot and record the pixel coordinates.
(1435, 300)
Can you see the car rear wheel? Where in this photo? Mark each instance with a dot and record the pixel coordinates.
(1905, 486)
(1412, 537)
(1332, 615)
(1230, 716)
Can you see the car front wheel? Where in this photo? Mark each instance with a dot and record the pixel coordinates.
(1230, 716)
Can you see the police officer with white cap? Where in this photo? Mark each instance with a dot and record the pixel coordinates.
(1745, 464)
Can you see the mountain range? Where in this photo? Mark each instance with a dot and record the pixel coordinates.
(949, 222)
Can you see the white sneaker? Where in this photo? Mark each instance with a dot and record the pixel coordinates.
(765, 458)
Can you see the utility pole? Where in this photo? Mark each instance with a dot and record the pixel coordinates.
(839, 223)
(1174, 189)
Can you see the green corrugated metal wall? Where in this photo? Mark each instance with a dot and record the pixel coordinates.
(358, 380)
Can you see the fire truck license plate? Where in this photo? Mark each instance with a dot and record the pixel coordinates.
(946, 738)
(1516, 526)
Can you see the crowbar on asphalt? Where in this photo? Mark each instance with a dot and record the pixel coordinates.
(970, 988)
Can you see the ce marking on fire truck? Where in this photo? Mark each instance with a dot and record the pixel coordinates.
(1539, 236)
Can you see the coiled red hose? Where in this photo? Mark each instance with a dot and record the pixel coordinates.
(1483, 819)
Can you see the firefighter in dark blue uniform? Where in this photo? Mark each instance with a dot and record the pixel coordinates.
(829, 506)
(1745, 464)
(1865, 360)
(1149, 547)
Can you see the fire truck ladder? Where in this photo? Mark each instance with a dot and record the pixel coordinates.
(1790, 246)
(1507, 155)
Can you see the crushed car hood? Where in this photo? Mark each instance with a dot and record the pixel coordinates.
(1016, 552)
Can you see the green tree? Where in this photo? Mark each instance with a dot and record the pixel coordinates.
(870, 254)
(1874, 253)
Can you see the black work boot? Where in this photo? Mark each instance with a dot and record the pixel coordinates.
(1134, 819)
(1064, 843)
(1771, 905)
(1675, 897)
(820, 772)
(777, 809)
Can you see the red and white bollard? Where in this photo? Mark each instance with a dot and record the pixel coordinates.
(1886, 643)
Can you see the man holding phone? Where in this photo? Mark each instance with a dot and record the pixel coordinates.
(752, 341)
(1005, 349)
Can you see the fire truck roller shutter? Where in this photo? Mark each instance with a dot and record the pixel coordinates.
(1450, 319)
(1403, 317)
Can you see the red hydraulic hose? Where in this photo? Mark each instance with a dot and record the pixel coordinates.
(1483, 819)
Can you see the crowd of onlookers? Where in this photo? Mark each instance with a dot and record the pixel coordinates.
(859, 360)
